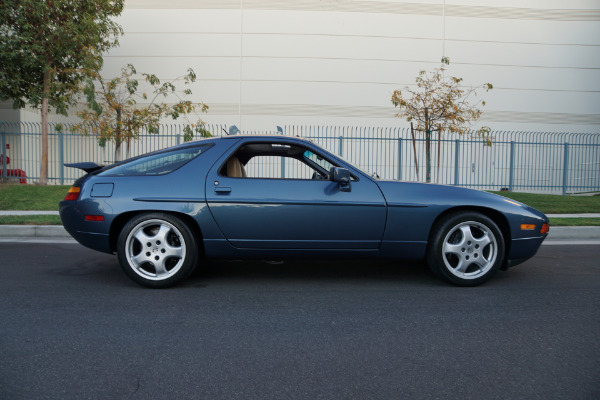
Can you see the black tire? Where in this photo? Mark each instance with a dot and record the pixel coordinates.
(465, 248)
(157, 250)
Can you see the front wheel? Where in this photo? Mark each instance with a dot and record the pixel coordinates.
(465, 248)
(157, 250)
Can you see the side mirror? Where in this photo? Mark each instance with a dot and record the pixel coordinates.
(341, 176)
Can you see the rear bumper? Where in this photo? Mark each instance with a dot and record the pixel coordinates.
(90, 234)
(96, 241)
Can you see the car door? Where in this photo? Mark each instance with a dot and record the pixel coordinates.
(295, 213)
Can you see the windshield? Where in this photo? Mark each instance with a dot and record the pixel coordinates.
(320, 161)
(326, 165)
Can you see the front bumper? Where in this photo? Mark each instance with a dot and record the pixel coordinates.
(522, 250)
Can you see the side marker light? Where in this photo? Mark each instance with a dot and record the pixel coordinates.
(527, 227)
(96, 218)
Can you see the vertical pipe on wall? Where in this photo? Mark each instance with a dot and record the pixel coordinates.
(456, 160)
(399, 159)
(61, 156)
(511, 170)
(565, 169)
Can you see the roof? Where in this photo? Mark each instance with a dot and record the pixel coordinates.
(265, 136)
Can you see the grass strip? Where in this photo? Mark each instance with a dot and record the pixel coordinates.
(55, 220)
(556, 204)
(45, 198)
(31, 197)
(30, 220)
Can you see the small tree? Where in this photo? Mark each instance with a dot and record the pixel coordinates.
(114, 114)
(439, 103)
(47, 48)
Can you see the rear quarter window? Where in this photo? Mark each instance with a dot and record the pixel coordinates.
(153, 164)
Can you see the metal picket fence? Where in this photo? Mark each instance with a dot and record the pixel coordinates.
(516, 161)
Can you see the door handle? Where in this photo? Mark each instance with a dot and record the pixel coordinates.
(223, 190)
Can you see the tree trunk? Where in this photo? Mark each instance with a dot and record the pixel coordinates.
(118, 139)
(44, 161)
(428, 155)
(439, 153)
(117, 156)
(414, 142)
(128, 148)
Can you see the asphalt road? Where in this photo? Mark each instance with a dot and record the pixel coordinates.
(72, 326)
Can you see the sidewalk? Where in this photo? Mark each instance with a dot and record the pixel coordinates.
(4, 212)
(571, 233)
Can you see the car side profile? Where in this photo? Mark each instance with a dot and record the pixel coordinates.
(280, 197)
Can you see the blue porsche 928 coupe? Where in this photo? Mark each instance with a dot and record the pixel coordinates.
(276, 197)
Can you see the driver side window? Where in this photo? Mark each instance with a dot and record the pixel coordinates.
(274, 167)
(276, 161)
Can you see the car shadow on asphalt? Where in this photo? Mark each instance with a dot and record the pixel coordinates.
(104, 269)
(347, 271)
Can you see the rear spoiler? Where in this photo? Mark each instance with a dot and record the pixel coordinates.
(86, 166)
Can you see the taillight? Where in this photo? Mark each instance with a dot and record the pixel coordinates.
(545, 229)
(73, 193)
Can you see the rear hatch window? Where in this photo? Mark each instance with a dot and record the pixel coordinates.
(158, 163)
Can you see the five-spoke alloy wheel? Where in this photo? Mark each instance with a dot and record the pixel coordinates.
(465, 248)
(157, 250)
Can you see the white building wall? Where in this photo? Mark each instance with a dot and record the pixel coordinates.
(262, 63)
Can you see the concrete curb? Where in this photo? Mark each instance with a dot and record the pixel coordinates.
(57, 231)
(37, 231)
(574, 232)
(27, 213)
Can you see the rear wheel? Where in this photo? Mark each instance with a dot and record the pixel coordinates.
(466, 248)
(157, 250)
